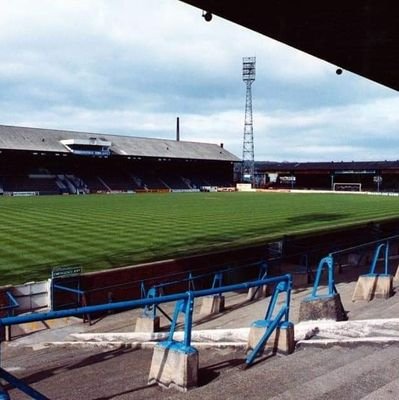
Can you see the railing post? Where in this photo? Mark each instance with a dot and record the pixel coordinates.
(262, 331)
(143, 292)
(180, 306)
(288, 298)
(386, 257)
(329, 262)
(151, 310)
(188, 319)
(262, 270)
(191, 285)
(217, 280)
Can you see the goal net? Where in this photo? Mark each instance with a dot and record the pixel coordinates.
(347, 187)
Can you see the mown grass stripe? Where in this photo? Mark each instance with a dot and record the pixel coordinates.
(102, 231)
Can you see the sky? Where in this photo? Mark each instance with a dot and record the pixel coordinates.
(130, 67)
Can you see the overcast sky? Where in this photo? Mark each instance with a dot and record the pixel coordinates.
(131, 67)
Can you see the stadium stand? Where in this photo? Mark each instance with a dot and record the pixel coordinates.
(45, 161)
(372, 175)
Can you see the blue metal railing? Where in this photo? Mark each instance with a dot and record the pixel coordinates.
(9, 309)
(191, 278)
(12, 303)
(80, 297)
(327, 264)
(185, 304)
(215, 277)
(378, 250)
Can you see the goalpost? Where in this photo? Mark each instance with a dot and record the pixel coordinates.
(347, 187)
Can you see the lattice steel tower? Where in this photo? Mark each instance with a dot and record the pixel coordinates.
(248, 162)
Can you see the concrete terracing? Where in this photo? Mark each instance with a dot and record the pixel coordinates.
(355, 359)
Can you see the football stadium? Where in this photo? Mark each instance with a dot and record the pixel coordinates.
(137, 267)
(124, 200)
(93, 221)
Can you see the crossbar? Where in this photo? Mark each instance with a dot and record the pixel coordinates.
(68, 289)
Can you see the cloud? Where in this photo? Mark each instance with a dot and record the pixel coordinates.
(361, 131)
(131, 67)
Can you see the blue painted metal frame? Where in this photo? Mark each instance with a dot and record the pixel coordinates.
(150, 310)
(328, 263)
(262, 274)
(12, 304)
(378, 250)
(17, 383)
(131, 304)
(271, 321)
(217, 281)
(185, 304)
(79, 293)
(325, 263)
(81, 297)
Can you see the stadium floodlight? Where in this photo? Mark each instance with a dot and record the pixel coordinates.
(248, 161)
(207, 16)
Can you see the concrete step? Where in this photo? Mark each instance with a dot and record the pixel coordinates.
(387, 392)
(38, 326)
(362, 376)
(310, 373)
(301, 375)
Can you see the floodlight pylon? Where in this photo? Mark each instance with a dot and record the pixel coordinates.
(248, 159)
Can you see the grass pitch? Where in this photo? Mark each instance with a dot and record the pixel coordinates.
(102, 231)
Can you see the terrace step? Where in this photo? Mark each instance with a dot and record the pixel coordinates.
(313, 373)
(31, 327)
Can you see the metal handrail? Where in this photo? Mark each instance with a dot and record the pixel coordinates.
(13, 302)
(185, 304)
(130, 304)
(328, 264)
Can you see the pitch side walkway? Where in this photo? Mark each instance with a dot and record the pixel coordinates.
(327, 366)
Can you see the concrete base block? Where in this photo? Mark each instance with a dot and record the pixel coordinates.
(281, 341)
(255, 293)
(212, 305)
(383, 287)
(147, 324)
(396, 277)
(373, 285)
(364, 288)
(173, 366)
(322, 308)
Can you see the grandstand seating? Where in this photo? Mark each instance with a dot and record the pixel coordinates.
(44, 185)
(77, 174)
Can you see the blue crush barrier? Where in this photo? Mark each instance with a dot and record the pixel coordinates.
(378, 250)
(9, 309)
(216, 279)
(381, 247)
(272, 319)
(326, 263)
(12, 304)
(185, 304)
